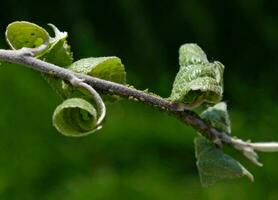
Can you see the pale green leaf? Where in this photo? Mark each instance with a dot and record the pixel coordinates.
(191, 54)
(25, 34)
(59, 53)
(107, 68)
(75, 117)
(214, 165)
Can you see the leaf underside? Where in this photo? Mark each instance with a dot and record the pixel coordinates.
(214, 165)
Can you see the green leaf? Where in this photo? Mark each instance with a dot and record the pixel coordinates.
(198, 80)
(214, 165)
(107, 68)
(59, 53)
(25, 34)
(191, 54)
(56, 84)
(75, 117)
(218, 117)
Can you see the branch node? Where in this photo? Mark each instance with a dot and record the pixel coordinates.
(26, 52)
(76, 81)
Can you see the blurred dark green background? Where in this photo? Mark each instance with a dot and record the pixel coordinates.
(140, 153)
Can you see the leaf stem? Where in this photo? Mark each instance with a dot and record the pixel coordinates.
(98, 100)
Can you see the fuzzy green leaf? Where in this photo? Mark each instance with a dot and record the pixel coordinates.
(59, 54)
(191, 54)
(214, 165)
(75, 117)
(218, 117)
(25, 34)
(107, 68)
(198, 80)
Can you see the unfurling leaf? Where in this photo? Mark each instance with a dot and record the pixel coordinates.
(214, 165)
(191, 54)
(218, 117)
(198, 80)
(107, 68)
(25, 34)
(59, 53)
(75, 117)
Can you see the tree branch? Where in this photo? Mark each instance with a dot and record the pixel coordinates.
(25, 57)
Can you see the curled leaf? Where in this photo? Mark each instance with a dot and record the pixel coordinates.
(25, 34)
(191, 54)
(213, 165)
(75, 117)
(107, 68)
(59, 52)
(198, 80)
